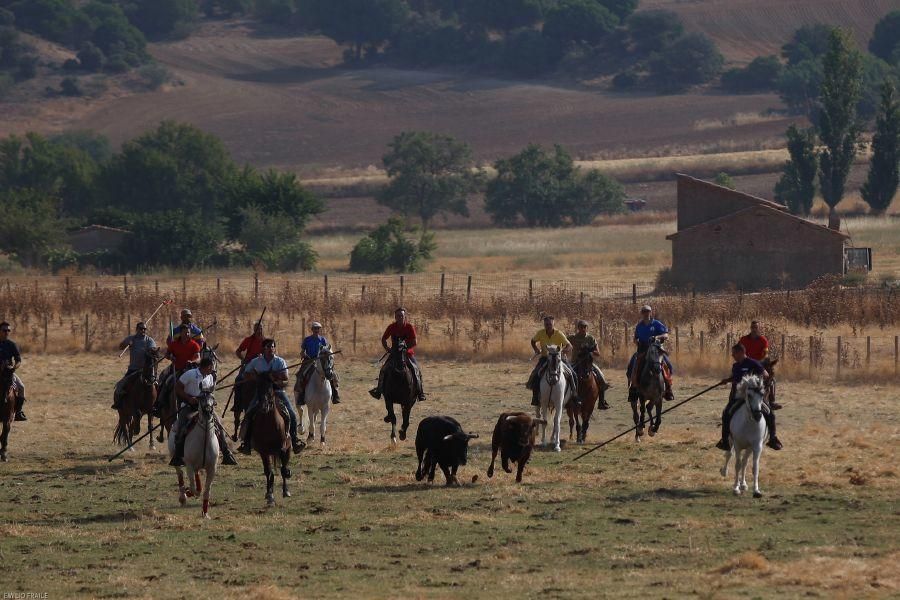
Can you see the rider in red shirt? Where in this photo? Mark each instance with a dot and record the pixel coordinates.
(400, 329)
(757, 347)
(183, 350)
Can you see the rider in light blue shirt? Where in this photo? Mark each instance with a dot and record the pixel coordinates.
(309, 350)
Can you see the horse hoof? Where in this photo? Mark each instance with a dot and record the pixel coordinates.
(189, 494)
(3, 457)
(286, 494)
(723, 472)
(182, 500)
(651, 432)
(234, 438)
(393, 441)
(737, 491)
(387, 419)
(557, 449)
(757, 494)
(402, 435)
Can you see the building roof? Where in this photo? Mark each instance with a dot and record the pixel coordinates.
(767, 208)
(734, 194)
(91, 228)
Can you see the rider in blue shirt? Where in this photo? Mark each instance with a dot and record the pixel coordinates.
(648, 328)
(309, 351)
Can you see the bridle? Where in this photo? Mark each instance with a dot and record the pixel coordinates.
(759, 391)
(554, 367)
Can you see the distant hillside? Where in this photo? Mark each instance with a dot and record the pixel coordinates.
(287, 102)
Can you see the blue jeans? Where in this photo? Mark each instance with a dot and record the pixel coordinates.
(286, 403)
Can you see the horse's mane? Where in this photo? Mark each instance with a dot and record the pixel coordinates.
(748, 382)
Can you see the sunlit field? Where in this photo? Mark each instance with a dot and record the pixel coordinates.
(630, 520)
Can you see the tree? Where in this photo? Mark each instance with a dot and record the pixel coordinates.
(761, 74)
(725, 180)
(528, 53)
(358, 23)
(163, 18)
(546, 189)
(30, 226)
(622, 9)
(579, 21)
(884, 171)
(691, 60)
(389, 249)
(277, 195)
(652, 30)
(799, 86)
(885, 40)
(176, 166)
(171, 238)
(797, 186)
(838, 126)
(809, 42)
(430, 174)
(502, 15)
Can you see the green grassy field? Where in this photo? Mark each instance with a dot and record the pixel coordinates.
(648, 520)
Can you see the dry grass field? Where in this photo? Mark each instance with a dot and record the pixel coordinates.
(630, 521)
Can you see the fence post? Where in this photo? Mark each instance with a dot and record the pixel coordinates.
(218, 285)
(453, 329)
(184, 290)
(45, 331)
(837, 372)
(128, 331)
(469, 288)
(677, 342)
(67, 285)
(781, 351)
(728, 345)
(701, 343)
(401, 290)
(326, 287)
(896, 353)
(442, 285)
(530, 290)
(581, 301)
(87, 336)
(255, 285)
(362, 294)
(354, 336)
(810, 356)
(626, 338)
(156, 284)
(634, 293)
(868, 350)
(502, 331)
(125, 284)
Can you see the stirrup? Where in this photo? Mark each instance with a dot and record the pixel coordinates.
(228, 459)
(375, 393)
(245, 448)
(20, 416)
(723, 445)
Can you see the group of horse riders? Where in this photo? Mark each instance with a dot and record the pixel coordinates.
(750, 356)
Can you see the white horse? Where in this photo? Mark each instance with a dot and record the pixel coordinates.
(201, 452)
(748, 433)
(553, 391)
(317, 395)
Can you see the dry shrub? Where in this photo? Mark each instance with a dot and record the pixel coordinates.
(748, 561)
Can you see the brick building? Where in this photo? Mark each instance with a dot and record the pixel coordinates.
(728, 238)
(95, 238)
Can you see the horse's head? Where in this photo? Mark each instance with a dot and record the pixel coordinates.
(653, 358)
(554, 364)
(206, 403)
(151, 360)
(399, 355)
(210, 353)
(751, 389)
(265, 387)
(325, 362)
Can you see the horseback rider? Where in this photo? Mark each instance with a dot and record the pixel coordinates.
(744, 365)
(645, 330)
(274, 366)
(549, 336)
(187, 322)
(584, 351)
(309, 352)
(188, 389)
(400, 329)
(757, 347)
(250, 347)
(9, 352)
(139, 345)
(184, 352)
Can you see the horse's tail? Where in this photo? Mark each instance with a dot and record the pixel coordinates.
(121, 435)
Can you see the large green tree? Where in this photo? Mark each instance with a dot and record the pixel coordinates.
(502, 15)
(884, 171)
(838, 126)
(30, 226)
(579, 21)
(690, 60)
(430, 174)
(797, 186)
(389, 248)
(652, 30)
(885, 42)
(359, 24)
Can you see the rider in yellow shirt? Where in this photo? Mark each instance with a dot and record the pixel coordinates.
(549, 336)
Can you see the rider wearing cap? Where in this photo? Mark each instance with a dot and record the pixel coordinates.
(400, 329)
(139, 345)
(584, 351)
(540, 342)
(646, 329)
(187, 321)
(184, 352)
(743, 366)
(309, 352)
(757, 347)
(270, 364)
(9, 352)
(189, 387)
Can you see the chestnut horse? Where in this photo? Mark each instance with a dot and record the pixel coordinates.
(137, 401)
(270, 437)
(7, 405)
(589, 394)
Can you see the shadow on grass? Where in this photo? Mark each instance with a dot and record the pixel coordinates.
(667, 493)
(85, 469)
(403, 487)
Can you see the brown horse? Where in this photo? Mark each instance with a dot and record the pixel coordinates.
(399, 388)
(771, 384)
(7, 405)
(243, 395)
(137, 400)
(270, 437)
(589, 394)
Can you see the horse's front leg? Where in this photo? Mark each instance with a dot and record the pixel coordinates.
(311, 423)
(545, 416)
(391, 418)
(210, 475)
(406, 409)
(285, 474)
(270, 480)
(757, 453)
(237, 424)
(573, 422)
(557, 424)
(323, 423)
(724, 470)
(739, 460)
(150, 428)
(182, 491)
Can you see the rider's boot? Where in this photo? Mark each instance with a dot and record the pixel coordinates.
(20, 414)
(535, 396)
(335, 394)
(156, 409)
(774, 443)
(245, 447)
(297, 445)
(668, 395)
(178, 458)
(375, 392)
(227, 454)
(724, 443)
(633, 394)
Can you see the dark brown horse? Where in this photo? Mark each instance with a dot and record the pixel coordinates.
(270, 437)
(7, 406)
(243, 394)
(771, 384)
(399, 388)
(589, 394)
(137, 400)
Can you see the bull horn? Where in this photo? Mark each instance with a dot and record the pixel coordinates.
(448, 437)
(472, 436)
(511, 417)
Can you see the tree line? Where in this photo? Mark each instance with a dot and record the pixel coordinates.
(822, 155)
(185, 203)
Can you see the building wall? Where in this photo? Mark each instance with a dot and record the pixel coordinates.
(92, 240)
(755, 250)
(700, 201)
